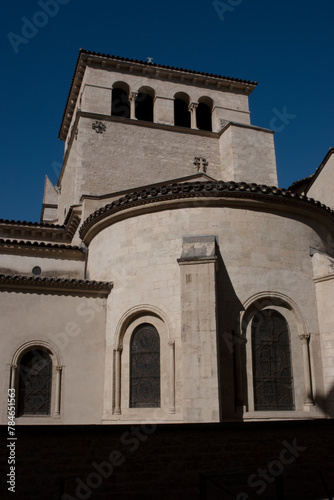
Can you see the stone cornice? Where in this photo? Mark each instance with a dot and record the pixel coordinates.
(10, 229)
(50, 250)
(54, 286)
(236, 194)
(117, 63)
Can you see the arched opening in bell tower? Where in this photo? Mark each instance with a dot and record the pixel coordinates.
(203, 114)
(181, 110)
(144, 104)
(120, 105)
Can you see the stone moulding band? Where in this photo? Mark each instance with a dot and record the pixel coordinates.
(219, 189)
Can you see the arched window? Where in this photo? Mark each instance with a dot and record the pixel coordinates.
(181, 111)
(272, 374)
(145, 367)
(120, 105)
(144, 104)
(203, 114)
(34, 384)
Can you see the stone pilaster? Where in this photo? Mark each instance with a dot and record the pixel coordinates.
(199, 329)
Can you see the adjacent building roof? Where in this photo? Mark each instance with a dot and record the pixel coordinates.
(306, 182)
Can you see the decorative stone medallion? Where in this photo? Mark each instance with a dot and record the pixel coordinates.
(99, 127)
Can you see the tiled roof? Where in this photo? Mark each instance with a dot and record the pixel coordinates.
(199, 189)
(29, 223)
(298, 183)
(155, 65)
(31, 284)
(39, 244)
(40, 230)
(43, 249)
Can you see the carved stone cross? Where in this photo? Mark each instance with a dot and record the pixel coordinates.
(200, 163)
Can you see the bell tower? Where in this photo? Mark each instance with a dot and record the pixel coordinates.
(129, 124)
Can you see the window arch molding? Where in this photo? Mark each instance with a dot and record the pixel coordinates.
(121, 362)
(56, 373)
(120, 84)
(267, 299)
(136, 311)
(207, 100)
(300, 366)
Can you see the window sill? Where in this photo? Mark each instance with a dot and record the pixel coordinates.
(311, 413)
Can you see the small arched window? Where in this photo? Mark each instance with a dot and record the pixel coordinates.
(144, 104)
(120, 105)
(181, 110)
(272, 374)
(34, 384)
(145, 367)
(203, 114)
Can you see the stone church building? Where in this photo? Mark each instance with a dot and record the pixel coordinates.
(171, 282)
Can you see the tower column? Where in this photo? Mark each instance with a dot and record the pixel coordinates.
(132, 98)
(192, 108)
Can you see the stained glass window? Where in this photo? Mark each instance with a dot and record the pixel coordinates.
(145, 367)
(272, 374)
(35, 374)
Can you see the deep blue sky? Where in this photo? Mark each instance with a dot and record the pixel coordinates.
(287, 46)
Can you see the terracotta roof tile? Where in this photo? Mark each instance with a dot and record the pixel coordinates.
(201, 189)
(39, 244)
(37, 284)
